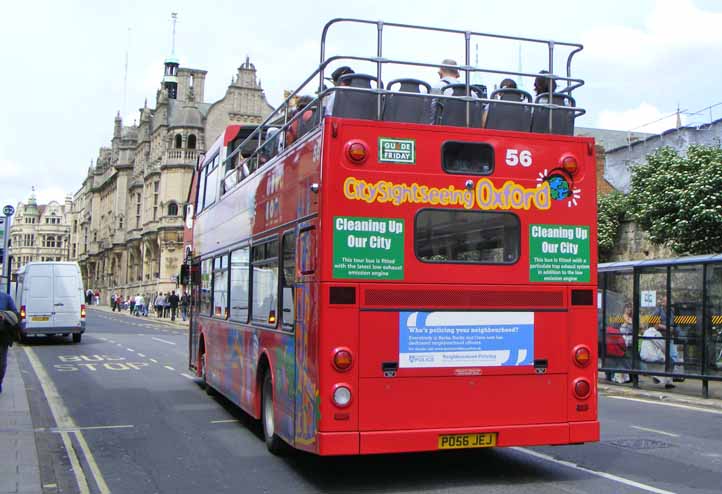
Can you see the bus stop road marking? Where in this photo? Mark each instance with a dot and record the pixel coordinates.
(162, 340)
(646, 429)
(674, 405)
(169, 367)
(608, 476)
(63, 420)
(130, 349)
(229, 421)
(188, 376)
(141, 355)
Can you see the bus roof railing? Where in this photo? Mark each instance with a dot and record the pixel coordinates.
(280, 116)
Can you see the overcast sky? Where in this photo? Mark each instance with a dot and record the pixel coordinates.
(63, 62)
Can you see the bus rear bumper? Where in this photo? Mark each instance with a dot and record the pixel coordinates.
(378, 442)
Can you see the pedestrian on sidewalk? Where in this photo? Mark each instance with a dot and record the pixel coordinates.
(159, 302)
(166, 305)
(8, 330)
(131, 305)
(173, 300)
(184, 302)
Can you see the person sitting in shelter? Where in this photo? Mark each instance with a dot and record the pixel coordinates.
(335, 78)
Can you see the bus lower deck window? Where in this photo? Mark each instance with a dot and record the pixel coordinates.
(466, 237)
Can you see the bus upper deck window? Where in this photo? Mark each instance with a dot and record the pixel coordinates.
(468, 158)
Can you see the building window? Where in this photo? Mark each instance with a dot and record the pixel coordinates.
(172, 209)
(178, 141)
(191, 141)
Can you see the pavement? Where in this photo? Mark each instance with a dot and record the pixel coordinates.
(19, 470)
(178, 323)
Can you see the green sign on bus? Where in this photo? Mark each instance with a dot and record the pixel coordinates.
(368, 248)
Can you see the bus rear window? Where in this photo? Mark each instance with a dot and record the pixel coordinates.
(470, 158)
(466, 237)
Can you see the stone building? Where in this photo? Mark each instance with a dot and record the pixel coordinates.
(39, 232)
(127, 218)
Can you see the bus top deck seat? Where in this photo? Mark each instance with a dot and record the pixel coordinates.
(356, 104)
(403, 108)
(562, 118)
(453, 112)
(509, 117)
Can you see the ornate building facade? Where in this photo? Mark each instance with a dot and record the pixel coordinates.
(39, 232)
(126, 225)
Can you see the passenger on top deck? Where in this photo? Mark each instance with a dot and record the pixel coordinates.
(446, 76)
(541, 83)
(508, 84)
(335, 76)
(292, 132)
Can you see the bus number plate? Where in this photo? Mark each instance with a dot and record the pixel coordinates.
(39, 318)
(458, 441)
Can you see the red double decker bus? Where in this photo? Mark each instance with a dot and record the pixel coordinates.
(402, 269)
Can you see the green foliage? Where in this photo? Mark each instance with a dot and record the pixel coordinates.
(678, 199)
(610, 211)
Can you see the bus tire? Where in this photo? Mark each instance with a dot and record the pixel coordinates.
(77, 337)
(204, 382)
(274, 443)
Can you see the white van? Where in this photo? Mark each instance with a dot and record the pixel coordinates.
(49, 296)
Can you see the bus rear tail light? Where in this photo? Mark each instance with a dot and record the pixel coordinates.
(570, 164)
(582, 389)
(82, 311)
(342, 359)
(341, 396)
(582, 356)
(272, 317)
(357, 152)
(23, 313)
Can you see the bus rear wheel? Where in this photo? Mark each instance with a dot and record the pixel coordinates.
(204, 383)
(274, 443)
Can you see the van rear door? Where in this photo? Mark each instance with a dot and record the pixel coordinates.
(66, 296)
(39, 296)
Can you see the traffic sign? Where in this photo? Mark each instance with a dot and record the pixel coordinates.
(8, 210)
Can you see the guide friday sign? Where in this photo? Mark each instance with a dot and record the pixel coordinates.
(402, 151)
(368, 248)
(559, 253)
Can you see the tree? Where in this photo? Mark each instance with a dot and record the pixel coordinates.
(610, 212)
(677, 199)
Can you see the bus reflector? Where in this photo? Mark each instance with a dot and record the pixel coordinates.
(582, 356)
(582, 389)
(342, 396)
(570, 164)
(356, 151)
(23, 314)
(82, 311)
(342, 359)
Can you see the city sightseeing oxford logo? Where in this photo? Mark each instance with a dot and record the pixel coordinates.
(561, 186)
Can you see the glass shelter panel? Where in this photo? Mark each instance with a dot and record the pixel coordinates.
(652, 300)
(713, 338)
(686, 302)
(617, 335)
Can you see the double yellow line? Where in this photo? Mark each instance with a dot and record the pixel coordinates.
(66, 427)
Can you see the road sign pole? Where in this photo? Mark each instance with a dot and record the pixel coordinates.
(8, 212)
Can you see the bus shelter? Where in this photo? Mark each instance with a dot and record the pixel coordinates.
(662, 318)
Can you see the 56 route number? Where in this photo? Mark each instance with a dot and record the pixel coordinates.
(516, 157)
